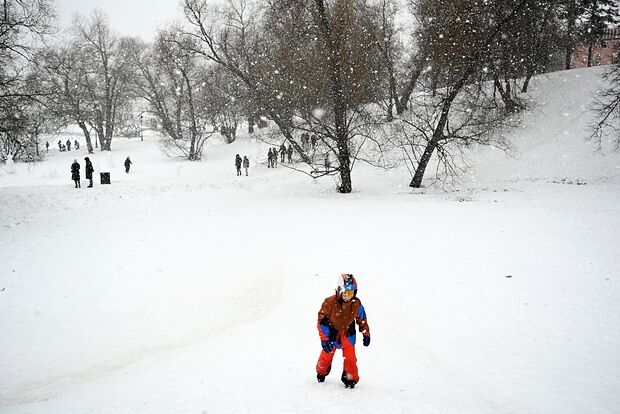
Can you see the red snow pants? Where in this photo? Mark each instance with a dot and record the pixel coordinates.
(350, 361)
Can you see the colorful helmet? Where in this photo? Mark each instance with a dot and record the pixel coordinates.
(346, 282)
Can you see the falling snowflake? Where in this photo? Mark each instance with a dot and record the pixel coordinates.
(318, 113)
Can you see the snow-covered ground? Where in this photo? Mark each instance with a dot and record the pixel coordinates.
(183, 288)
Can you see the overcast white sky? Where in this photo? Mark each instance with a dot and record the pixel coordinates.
(126, 17)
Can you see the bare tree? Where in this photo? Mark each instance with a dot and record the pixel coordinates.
(458, 38)
(474, 120)
(64, 75)
(606, 125)
(225, 100)
(171, 81)
(572, 10)
(316, 89)
(402, 65)
(110, 72)
(541, 31)
(23, 25)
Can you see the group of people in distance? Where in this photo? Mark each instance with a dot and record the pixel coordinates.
(285, 153)
(89, 169)
(64, 147)
(272, 155)
(245, 162)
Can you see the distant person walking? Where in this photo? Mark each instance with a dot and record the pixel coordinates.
(47, 146)
(282, 152)
(238, 164)
(75, 173)
(328, 162)
(274, 151)
(246, 164)
(68, 145)
(89, 171)
(127, 165)
(59, 145)
(269, 158)
(290, 153)
(77, 145)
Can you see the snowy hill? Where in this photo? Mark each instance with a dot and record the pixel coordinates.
(183, 288)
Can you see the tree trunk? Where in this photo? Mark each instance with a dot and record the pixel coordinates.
(345, 171)
(338, 99)
(401, 104)
(505, 93)
(416, 182)
(101, 139)
(526, 83)
(86, 132)
(193, 129)
(392, 85)
(570, 28)
(590, 44)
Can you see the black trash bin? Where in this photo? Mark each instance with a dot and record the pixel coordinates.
(105, 177)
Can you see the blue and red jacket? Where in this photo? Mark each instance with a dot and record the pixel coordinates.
(337, 318)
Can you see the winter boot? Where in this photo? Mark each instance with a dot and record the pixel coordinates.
(346, 381)
(321, 378)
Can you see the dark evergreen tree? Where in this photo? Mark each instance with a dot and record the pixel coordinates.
(598, 16)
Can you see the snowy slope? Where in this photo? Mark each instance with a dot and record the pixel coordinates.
(549, 144)
(183, 288)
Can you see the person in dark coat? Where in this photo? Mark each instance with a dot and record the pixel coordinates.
(75, 173)
(246, 164)
(89, 171)
(290, 153)
(238, 164)
(68, 145)
(127, 165)
(282, 152)
(77, 144)
(47, 146)
(59, 145)
(269, 158)
(274, 151)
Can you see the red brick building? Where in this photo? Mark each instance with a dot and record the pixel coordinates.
(604, 53)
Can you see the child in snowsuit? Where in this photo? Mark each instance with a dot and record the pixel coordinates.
(127, 165)
(336, 324)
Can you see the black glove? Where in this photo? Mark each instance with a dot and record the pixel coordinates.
(366, 340)
(328, 346)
